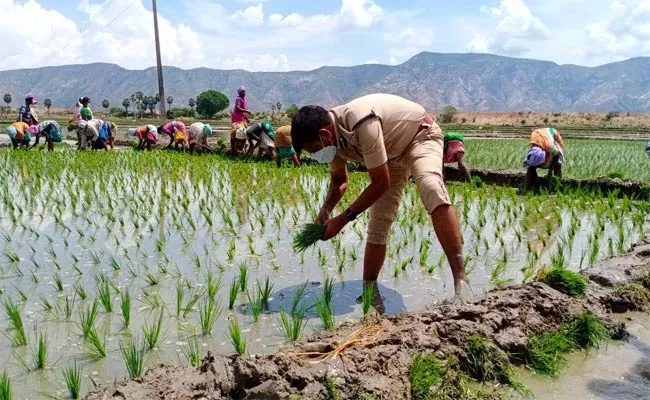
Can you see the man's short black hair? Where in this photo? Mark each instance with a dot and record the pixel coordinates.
(306, 124)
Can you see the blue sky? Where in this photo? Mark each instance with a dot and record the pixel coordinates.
(276, 35)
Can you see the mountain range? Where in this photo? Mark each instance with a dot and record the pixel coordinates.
(470, 82)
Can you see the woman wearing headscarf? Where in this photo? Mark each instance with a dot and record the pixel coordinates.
(50, 130)
(199, 133)
(546, 151)
(147, 136)
(26, 113)
(20, 134)
(239, 119)
(176, 132)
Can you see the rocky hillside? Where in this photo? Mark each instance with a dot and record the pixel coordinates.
(479, 82)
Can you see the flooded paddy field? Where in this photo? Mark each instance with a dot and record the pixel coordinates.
(171, 254)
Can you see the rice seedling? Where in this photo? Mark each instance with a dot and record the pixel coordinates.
(192, 351)
(45, 304)
(255, 305)
(94, 347)
(72, 378)
(6, 392)
(565, 281)
(292, 325)
(587, 331)
(236, 338)
(80, 291)
(39, 353)
(18, 337)
(125, 307)
(58, 282)
(153, 331)
(151, 279)
(243, 277)
(213, 285)
(546, 352)
(367, 297)
(324, 311)
(308, 236)
(265, 291)
(104, 295)
(298, 294)
(133, 356)
(234, 291)
(209, 312)
(87, 317)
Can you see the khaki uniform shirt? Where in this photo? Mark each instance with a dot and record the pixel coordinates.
(374, 129)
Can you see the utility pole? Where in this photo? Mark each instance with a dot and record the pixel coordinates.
(161, 87)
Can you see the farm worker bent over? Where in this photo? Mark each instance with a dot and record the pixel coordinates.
(20, 135)
(88, 132)
(546, 151)
(199, 133)
(147, 136)
(455, 152)
(26, 113)
(263, 135)
(393, 137)
(239, 120)
(176, 132)
(51, 131)
(86, 114)
(105, 136)
(284, 146)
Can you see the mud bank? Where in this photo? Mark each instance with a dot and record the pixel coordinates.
(380, 370)
(517, 179)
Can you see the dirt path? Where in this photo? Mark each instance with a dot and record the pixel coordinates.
(380, 370)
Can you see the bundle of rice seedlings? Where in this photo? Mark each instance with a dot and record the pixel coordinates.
(308, 236)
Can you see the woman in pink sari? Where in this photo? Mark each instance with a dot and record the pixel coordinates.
(239, 120)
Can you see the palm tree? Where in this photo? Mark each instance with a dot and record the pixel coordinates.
(192, 104)
(278, 106)
(48, 104)
(8, 99)
(106, 104)
(126, 103)
(170, 100)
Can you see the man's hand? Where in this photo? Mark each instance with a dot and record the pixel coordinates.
(323, 216)
(334, 225)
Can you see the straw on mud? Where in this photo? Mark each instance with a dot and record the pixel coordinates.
(308, 236)
(362, 337)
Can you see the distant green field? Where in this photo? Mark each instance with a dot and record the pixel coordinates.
(585, 158)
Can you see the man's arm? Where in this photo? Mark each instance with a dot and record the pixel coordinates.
(379, 184)
(337, 188)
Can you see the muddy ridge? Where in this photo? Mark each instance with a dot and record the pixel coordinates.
(380, 370)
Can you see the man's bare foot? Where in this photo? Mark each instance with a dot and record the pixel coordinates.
(462, 290)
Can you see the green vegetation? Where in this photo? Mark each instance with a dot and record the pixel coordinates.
(292, 325)
(308, 236)
(236, 338)
(153, 331)
(72, 377)
(5, 387)
(566, 281)
(18, 337)
(133, 356)
(210, 102)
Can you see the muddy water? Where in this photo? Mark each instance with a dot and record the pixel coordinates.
(119, 228)
(617, 371)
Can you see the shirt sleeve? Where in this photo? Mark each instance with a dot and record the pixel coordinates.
(371, 140)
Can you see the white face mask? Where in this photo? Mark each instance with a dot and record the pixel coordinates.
(325, 155)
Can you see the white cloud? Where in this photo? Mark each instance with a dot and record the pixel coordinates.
(373, 61)
(516, 30)
(23, 47)
(625, 32)
(353, 14)
(409, 40)
(251, 16)
(259, 62)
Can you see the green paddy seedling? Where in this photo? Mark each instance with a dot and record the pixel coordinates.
(236, 338)
(72, 378)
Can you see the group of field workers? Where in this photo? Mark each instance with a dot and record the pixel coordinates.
(27, 126)
(260, 135)
(181, 138)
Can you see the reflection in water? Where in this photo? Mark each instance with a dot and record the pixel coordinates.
(635, 385)
(386, 301)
